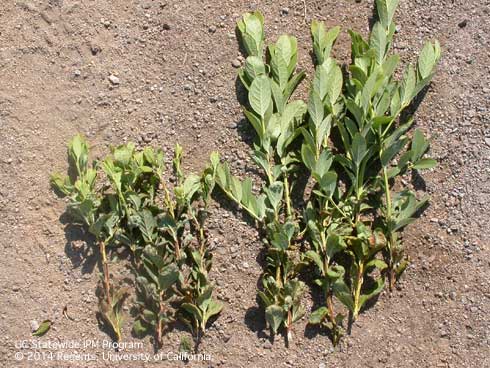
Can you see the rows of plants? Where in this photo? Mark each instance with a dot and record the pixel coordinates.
(328, 199)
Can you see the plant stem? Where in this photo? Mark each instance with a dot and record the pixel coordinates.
(341, 212)
(287, 198)
(357, 295)
(388, 220)
(105, 271)
(159, 322)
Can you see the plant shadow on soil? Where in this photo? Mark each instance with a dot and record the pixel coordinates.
(84, 256)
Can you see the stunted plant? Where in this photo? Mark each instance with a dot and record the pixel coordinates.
(93, 211)
(276, 121)
(163, 229)
(176, 271)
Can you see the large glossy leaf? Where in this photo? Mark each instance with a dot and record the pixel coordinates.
(260, 95)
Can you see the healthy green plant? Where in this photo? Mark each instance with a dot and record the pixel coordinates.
(352, 139)
(88, 207)
(351, 218)
(322, 217)
(276, 121)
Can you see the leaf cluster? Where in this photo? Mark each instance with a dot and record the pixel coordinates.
(125, 201)
(352, 137)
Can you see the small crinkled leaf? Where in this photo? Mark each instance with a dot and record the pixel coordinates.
(315, 257)
(140, 328)
(274, 316)
(318, 316)
(378, 287)
(43, 328)
(342, 293)
(168, 276)
(274, 194)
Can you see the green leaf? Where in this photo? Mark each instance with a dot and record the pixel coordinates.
(342, 293)
(318, 316)
(193, 310)
(427, 60)
(168, 276)
(315, 257)
(260, 95)
(408, 86)
(358, 149)
(425, 163)
(335, 81)
(274, 194)
(213, 309)
(377, 41)
(392, 151)
(379, 285)
(386, 10)
(315, 107)
(419, 145)
(334, 246)
(328, 183)
(139, 328)
(254, 66)
(43, 328)
(274, 316)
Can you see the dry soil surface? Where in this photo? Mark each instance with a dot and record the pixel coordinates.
(176, 80)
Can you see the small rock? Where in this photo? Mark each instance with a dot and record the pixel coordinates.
(77, 73)
(463, 24)
(34, 325)
(285, 11)
(487, 141)
(114, 80)
(212, 29)
(15, 288)
(236, 63)
(443, 334)
(452, 295)
(245, 265)
(95, 49)
(166, 26)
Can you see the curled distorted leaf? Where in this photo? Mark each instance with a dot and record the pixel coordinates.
(43, 328)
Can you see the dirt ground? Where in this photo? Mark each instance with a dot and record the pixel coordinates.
(177, 81)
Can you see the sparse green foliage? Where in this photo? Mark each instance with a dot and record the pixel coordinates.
(88, 206)
(163, 228)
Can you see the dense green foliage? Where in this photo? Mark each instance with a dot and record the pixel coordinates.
(351, 137)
